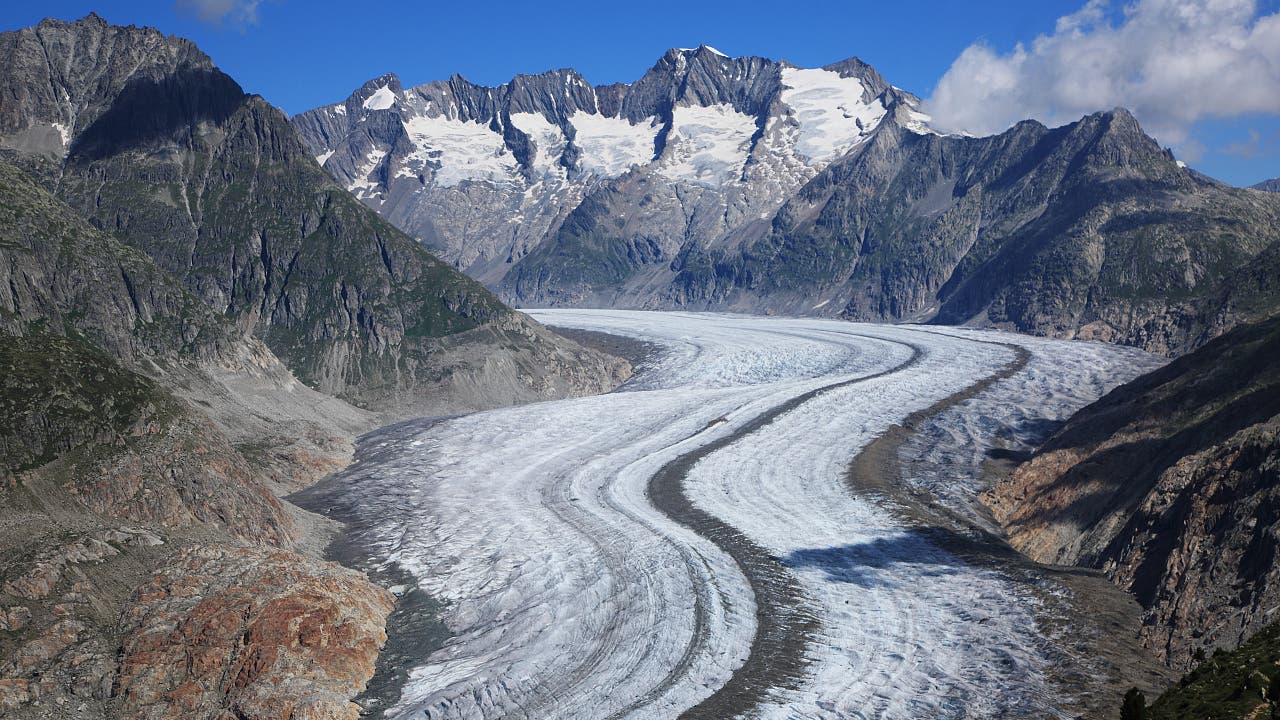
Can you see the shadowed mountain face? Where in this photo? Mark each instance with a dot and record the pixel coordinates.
(143, 136)
(1169, 484)
(748, 184)
(1272, 185)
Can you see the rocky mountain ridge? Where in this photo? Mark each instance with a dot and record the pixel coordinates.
(483, 175)
(749, 184)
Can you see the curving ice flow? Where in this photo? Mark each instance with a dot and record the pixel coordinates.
(569, 595)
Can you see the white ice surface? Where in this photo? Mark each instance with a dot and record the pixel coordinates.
(612, 145)
(382, 99)
(831, 111)
(459, 150)
(570, 596)
(707, 145)
(549, 140)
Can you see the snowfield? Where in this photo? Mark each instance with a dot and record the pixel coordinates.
(570, 595)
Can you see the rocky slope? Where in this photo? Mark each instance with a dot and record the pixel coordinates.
(1272, 185)
(288, 638)
(1235, 685)
(1169, 485)
(749, 184)
(131, 528)
(138, 426)
(142, 135)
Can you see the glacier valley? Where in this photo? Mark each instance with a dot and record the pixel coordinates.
(692, 544)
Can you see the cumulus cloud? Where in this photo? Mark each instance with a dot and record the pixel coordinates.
(1171, 62)
(218, 12)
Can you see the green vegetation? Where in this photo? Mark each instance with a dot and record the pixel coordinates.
(57, 393)
(1240, 684)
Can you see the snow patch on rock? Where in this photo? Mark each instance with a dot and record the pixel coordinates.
(380, 100)
(708, 145)
(458, 150)
(612, 145)
(548, 139)
(830, 109)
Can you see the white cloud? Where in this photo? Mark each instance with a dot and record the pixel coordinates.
(1171, 62)
(216, 12)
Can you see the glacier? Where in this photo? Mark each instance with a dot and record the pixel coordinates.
(569, 594)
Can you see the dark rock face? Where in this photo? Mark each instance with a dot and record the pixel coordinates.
(1272, 185)
(1169, 484)
(159, 148)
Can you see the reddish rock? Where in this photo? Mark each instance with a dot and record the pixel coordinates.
(269, 635)
(14, 618)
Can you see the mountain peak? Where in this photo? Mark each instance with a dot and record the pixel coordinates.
(93, 18)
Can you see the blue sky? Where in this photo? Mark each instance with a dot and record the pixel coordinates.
(303, 54)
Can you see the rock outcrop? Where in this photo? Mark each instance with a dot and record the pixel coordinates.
(1170, 485)
(242, 633)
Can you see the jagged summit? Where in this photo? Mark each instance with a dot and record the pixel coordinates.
(718, 182)
(482, 174)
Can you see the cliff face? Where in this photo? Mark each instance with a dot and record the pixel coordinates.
(142, 135)
(1169, 484)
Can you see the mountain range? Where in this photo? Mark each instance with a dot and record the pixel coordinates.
(750, 184)
(205, 301)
